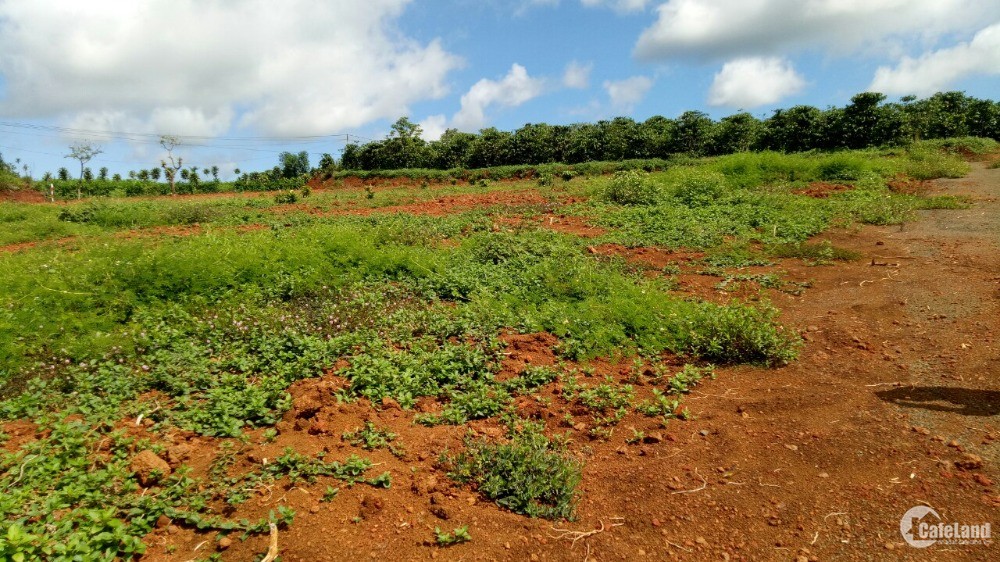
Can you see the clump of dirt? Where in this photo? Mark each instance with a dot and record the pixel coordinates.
(908, 185)
(524, 350)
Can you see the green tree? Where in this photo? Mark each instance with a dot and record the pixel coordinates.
(492, 147)
(657, 136)
(63, 174)
(103, 173)
(533, 144)
(584, 143)
(404, 147)
(293, 165)
(327, 163)
(84, 152)
(735, 133)
(451, 150)
(795, 129)
(946, 115)
(621, 139)
(983, 118)
(693, 132)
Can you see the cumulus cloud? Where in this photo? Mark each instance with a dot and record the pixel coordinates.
(514, 89)
(577, 75)
(433, 127)
(626, 94)
(187, 67)
(723, 29)
(937, 70)
(755, 81)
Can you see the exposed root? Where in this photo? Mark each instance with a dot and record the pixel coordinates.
(575, 536)
(272, 551)
(704, 484)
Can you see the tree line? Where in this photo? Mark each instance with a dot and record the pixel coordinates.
(867, 121)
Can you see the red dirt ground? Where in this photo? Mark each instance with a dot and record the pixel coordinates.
(822, 190)
(894, 402)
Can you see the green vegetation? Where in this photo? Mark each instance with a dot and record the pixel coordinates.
(531, 474)
(867, 121)
(457, 536)
(199, 315)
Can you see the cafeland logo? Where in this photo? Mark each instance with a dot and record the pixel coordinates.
(921, 527)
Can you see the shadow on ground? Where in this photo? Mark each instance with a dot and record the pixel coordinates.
(964, 401)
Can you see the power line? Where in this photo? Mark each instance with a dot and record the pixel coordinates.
(125, 135)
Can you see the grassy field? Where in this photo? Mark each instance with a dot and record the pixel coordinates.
(199, 313)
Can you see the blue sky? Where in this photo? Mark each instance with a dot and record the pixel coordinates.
(241, 80)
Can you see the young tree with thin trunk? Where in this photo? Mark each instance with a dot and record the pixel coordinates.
(169, 143)
(84, 152)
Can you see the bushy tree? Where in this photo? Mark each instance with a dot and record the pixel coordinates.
(793, 130)
(327, 163)
(451, 150)
(404, 148)
(693, 132)
(492, 147)
(293, 165)
(736, 133)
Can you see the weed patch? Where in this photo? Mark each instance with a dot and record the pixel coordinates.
(530, 474)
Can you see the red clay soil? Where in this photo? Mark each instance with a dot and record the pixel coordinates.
(822, 190)
(22, 196)
(440, 206)
(894, 403)
(903, 184)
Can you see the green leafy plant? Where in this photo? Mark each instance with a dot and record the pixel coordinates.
(530, 474)
(457, 536)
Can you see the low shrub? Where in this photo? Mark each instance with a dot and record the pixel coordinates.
(531, 474)
(631, 187)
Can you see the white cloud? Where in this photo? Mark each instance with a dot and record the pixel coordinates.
(514, 89)
(433, 126)
(623, 6)
(188, 67)
(723, 29)
(577, 75)
(626, 94)
(755, 81)
(936, 71)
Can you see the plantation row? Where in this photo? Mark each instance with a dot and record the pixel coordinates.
(866, 122)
